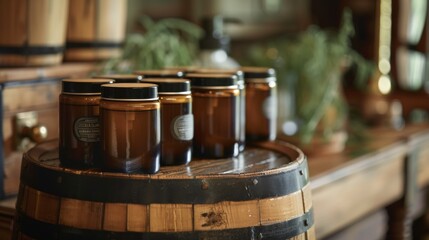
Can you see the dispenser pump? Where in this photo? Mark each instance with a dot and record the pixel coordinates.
(214, 46)
(214, 37)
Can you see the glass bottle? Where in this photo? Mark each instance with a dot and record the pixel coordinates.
(215, 101)
(177, 121)
(79, 122)
(214, 45)
(242, 98)
(130, 127)
(261, 103)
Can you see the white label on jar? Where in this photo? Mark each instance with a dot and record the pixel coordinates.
(182, 127)
(87, 129)
(270, 107)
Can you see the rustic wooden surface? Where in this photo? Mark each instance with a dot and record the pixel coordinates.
(26, 95)
(94, 22)
(7, 212)
(206, 211)
(366, 176)
(350, 185)
(35, 23)
(35, 73)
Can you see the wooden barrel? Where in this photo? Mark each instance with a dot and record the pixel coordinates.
(96, 29)
(262, 194)
(32, 32)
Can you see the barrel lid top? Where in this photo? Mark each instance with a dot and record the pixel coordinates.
(276, 158)
(266, 171)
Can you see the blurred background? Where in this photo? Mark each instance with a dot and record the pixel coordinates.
(343, 68)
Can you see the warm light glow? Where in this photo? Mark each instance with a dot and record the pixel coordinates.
(384, 51)
(289, 128)
(384, 84)
(384, 66)
(385, 32)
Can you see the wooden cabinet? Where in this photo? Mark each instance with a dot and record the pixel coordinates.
(29, 96)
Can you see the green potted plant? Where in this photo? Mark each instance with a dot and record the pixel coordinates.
(162, 43)
(309, 71)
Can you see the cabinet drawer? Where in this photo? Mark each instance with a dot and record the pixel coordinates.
(30, 97)
(42, 101)
(29, 91)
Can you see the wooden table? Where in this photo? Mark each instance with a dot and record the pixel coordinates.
(387, 169)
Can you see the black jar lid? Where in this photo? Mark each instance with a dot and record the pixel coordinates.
(170, 85)
(183, 69)
(130, 91)
(212, 79)
(84, 86)
(258, 72)
(122, 78)
(160, 73)
(237, 72)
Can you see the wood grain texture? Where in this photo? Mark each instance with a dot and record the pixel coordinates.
(277, 210)
(137, 220)
(33, 97)
(419, 144)
(171, 218)
(40, 97)
(251, 163)
(12, 169)
(423, 162)
(122, 217)
(351, 196)
(81, 214)
(226, 215)
(38, 23)
(92, 22)
(111, 17)
(86, 54)
(18, 60)
(335, 174)
(81, 11)
(194, 215)
(47, 22)
(366, 176)
(13, 22)
(115, 217)
(31, 73)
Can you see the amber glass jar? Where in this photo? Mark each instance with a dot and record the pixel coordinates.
(160, 73)
(215, 100)
(130, 127)
(78, 122)
(121, 78)
(177, 121)
(261, 103)
(242, 98)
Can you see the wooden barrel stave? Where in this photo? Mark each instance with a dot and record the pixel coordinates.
(32, 32)
(74, 204)
(96, 29)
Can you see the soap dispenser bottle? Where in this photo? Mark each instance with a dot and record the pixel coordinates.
(214, 46)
